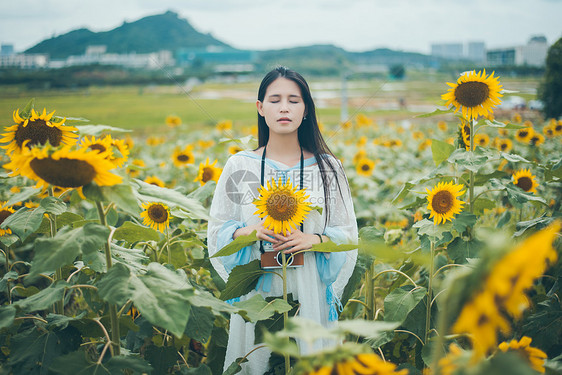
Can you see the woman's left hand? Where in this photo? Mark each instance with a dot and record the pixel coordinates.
(298, 241)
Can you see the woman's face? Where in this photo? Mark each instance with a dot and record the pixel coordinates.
(283, 106)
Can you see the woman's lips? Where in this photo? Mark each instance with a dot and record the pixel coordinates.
(284, 119)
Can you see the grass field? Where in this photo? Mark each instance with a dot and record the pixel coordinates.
(144, 108)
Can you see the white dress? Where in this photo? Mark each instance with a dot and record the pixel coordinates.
(232, 207)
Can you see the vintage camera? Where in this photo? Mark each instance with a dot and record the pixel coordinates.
(274, 259)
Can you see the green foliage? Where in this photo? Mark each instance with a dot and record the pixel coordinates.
(551, 89)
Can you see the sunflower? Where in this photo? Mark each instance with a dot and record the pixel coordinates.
(465, 134)
(359, 155)
(173, 121)
(365, 363)
(155, 141)
(156, 216)
(442, 125)
(362, 141)
(425, 144)
(181, 158)
(537, 139)
(558, 128)
(208, 172)
(481, 140)
(234, 149)
(38, 129)
(474, 94)
(548, 131)
(442, 201)
(64, 168)
(120, 152)
(101, 145)
(525, 180)
(154, 181)
(534, 356)
(504, 145)
(282, 206)
(417, 135)
(224, 125)
(346, 125)
(363, 120)
(135, 171)
(365, 167)
(524, 135)
(5, 211)
(205, 144)
(516, 118)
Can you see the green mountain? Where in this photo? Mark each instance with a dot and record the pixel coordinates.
(149, 34)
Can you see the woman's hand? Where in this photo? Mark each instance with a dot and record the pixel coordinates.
(298, 240)
(261, 233)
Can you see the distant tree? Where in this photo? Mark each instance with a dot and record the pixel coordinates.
(397, 71)
(550, 91)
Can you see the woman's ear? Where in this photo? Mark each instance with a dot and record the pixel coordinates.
(259, 105)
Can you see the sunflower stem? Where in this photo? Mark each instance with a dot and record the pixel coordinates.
(59, 305)
(429, 294)
(370, 292)
(168, 246)
(115, 336)
(471, 182)
(286, 313)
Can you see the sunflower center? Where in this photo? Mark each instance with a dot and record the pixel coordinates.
(208, 174)
(525, 183)
(68, 173)
(523, 133)
(503, 146)
(97, 147)
(282, 205)
(4, 215)
(483, 319)
(183, 157)
(472, 94)
(442, 202)
(365, 167)
(157, 213)
(38, 132)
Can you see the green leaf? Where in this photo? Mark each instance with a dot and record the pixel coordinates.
(33, 351)
(238, 244)
(161, 358)
(441, 151)
(132, 233)
(24, 221)
(279, 344)
(78, 363)
(98, 130)
(482, 204)
(463, 220)
(515, 194)
(242, 280)
(366, 328)
(7, 315)
(200, 370)
(403, 192)
(307, 330)
(66, 218)
(8, 239)
(200, 324)
(235, 367)
(331, 247)
(160, 295)
(53, 205)
(23, 195)
(123, 196)
(8, 276)
(431, 229)
(498, 124)
(472, 161)
(436, 113)
(460, 250)
(61, 250)
(151, 193)
(26, 111)
(514, 158)
(93, 192)
(400, 302)
(257, 308)
(537, 223)
(44, 299)
(203, 192)
(482, 179)
(206, 299)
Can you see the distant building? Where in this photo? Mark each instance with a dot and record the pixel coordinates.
(6, 49)
(476, 51)
(24, 61)
(447, 50)
(532, 54)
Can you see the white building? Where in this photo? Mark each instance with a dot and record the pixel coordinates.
(533, 53)
(24, 61)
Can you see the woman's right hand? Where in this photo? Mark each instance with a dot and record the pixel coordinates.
(261, 233)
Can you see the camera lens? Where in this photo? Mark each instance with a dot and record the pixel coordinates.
(288, 257)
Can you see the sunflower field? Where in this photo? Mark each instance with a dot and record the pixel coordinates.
(105, 268)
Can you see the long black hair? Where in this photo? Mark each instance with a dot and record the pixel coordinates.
(309, 135)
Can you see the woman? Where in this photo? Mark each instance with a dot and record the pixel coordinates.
(289, 135)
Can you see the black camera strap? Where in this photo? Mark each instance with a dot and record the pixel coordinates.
(263, 178)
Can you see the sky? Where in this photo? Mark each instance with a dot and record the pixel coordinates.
(355, 25)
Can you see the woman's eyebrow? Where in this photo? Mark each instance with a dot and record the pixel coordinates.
(279, 95)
